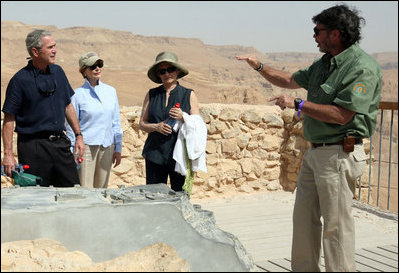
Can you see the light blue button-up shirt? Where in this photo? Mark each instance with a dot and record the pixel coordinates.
(97, 109)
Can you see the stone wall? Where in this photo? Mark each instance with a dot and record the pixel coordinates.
(250, 148)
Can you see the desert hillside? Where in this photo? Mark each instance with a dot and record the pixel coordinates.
(215, 74)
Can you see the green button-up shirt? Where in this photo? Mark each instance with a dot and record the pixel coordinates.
(352, 80)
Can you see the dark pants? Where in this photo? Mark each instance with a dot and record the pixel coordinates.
(51, 159)
(159, 174)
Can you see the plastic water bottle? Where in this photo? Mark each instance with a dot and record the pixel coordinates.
(171, 121)
(78, 162)
(18, 168)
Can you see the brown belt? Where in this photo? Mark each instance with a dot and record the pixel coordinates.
(341, 142)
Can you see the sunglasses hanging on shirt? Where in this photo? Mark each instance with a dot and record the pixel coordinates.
(46, 84)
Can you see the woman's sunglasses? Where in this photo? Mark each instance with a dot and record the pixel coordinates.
(99, 63)
(170, 69)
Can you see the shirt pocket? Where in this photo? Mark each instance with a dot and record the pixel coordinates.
(327, 93)
(327, 89)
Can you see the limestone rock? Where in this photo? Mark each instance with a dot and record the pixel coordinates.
(46, 255)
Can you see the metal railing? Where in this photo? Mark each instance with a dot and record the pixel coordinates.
(386, 188)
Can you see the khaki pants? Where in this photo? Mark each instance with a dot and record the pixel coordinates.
(325, 189)
(96, 166)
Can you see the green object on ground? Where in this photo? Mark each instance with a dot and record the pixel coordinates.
(25, 179)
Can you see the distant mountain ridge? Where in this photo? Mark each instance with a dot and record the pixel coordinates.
(215, 74)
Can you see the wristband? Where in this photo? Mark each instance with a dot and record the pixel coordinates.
(260, 67)
(300, 108)
(78, 134)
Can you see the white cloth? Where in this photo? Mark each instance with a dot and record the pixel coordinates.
(193, 130)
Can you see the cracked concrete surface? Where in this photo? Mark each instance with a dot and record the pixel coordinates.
(107, 223)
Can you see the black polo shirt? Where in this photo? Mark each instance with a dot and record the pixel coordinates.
(38, 99)
(158, 148)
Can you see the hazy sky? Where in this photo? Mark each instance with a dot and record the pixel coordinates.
(269, 26)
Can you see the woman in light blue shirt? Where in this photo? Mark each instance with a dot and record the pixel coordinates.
(97, 108)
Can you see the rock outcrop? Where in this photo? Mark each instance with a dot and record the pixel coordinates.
(46, 255)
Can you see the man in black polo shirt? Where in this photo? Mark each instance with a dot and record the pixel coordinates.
(38, 101)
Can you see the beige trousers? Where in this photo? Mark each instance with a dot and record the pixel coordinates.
(325, 188)
(96, 166)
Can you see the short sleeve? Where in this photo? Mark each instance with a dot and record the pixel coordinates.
(358, 90)
(13, 99)
(302, 77)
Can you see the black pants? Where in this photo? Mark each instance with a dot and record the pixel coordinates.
(52, 160)
(159, 174)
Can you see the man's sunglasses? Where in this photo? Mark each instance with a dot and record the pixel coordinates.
(46, 86)
(170, 69)
(318, 30)
(99, 63)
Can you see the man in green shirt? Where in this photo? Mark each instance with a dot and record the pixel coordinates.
(344, 89)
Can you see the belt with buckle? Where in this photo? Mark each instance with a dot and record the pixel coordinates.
(341, 142)
(52, 136)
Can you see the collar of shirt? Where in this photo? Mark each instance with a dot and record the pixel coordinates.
(177, 85)
(37, 71)
(332, 62)
(96, 89)
(88, 85)
(345, 55)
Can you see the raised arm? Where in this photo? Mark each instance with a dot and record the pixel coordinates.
(277, 77)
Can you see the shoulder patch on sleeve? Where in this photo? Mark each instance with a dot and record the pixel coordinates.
(359, 89)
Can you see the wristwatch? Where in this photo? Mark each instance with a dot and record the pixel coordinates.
(297, 101)
(259, 68)
(78, 134)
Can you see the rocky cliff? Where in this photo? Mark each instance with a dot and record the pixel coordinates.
(215, 74)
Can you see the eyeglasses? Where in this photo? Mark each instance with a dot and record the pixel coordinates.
(170, 69)
(318, 30)
(99, 63)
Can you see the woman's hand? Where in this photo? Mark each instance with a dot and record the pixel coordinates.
(116, 159)
(176, 113)
(164, 128)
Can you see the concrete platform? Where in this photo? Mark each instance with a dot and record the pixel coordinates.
(263, 224)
